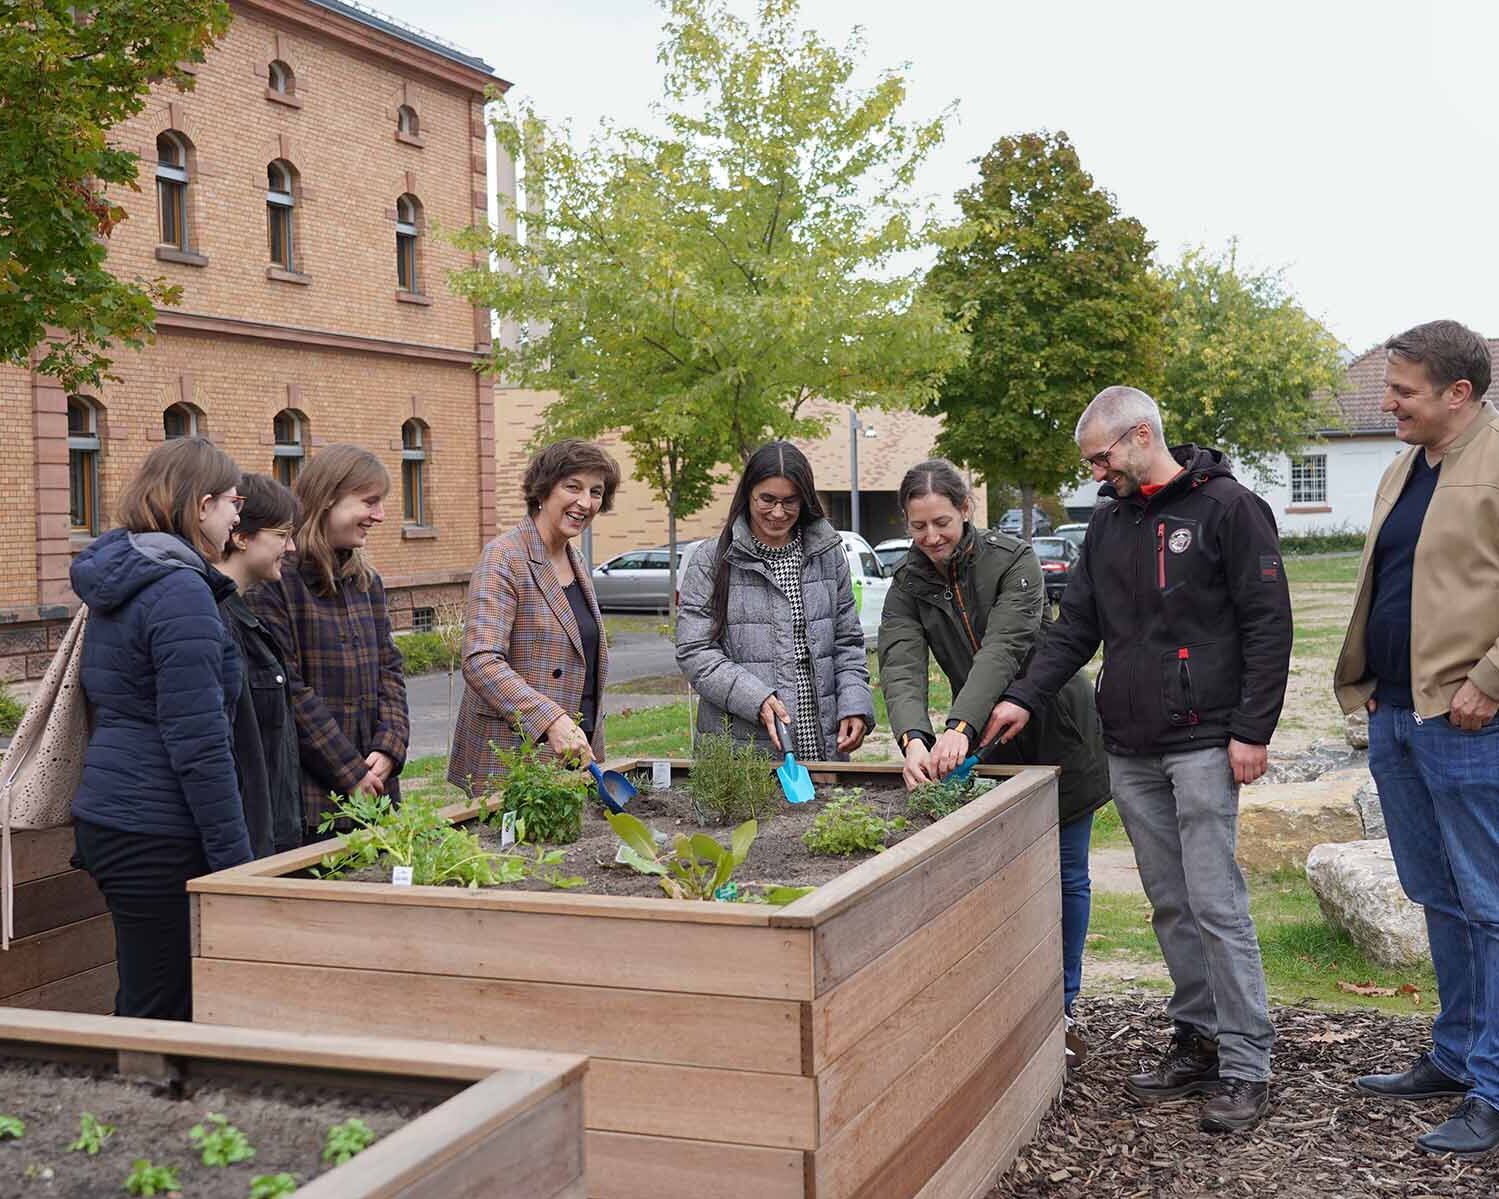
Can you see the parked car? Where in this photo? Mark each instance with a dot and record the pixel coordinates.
(870, 584)
(1057, 556)
(892, 552)
(1010, 522)
(1073, 533)
(638, 580)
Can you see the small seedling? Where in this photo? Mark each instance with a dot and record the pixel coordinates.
(272, 1186)
(546, 867)
(346, 1140)
(694, 868)
(848, 825)
(940, 798)
(220, 1143)
(92, 1133)
(12, 1128)
(146, 1178)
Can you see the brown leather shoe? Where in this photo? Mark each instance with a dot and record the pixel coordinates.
(1240, 1104)
(1189, 1067)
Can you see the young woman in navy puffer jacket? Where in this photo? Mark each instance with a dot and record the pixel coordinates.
(159, 803)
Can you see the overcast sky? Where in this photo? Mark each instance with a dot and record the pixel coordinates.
(1346, 142)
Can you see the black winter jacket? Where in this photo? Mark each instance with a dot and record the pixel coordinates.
(1187, 592)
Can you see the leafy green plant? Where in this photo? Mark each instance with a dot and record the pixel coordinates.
(219, 1142)
(545, 792)
(272, 1186)
(732, 781)
(941, 797)
(849, 825)
(147, 1178)
(347, 1140)
(694, 867)
(12, 1128)
(546, 866)
(418, 835)
(92, 1133)
(11, 711)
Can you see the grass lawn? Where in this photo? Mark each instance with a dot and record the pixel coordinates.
(1322, 568)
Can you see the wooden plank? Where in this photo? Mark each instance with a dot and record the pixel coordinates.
(36, 853)
(857, 935)
(658, 1026)
(56, 953)
(991, 1148)
(623, 1165)
(842, 1017)
(55, 900)
(889, 1147)
(88, 991)
(498, 944)
(738, 1106)
(847, 1086)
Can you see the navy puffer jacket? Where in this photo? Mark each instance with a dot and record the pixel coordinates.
(162, 675)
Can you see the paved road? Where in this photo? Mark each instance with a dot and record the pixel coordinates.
(631, 656)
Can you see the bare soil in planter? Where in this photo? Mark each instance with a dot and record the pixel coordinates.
(1321, 1138)
(286, 1125)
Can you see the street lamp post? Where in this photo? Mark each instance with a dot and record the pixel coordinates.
(853, 469)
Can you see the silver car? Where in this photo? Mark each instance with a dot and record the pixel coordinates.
(638, 580)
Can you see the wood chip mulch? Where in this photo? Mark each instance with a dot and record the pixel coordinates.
(1321, 1138)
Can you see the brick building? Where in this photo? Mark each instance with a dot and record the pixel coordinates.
(290, 195)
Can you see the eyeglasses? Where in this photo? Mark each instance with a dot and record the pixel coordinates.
(237, 500)
(789, 504)
(1101, 460)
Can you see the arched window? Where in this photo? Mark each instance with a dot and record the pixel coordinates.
(83, 465)
(414, 473)
(407, 122)
(408, 234)
(290, 428)
(180, 420)
(280, 202)
(171, 188)
(281, 78)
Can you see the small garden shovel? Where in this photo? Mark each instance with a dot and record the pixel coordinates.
(796, 783)
(614, 789)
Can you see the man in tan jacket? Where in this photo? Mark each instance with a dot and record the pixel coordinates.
(1422, 655)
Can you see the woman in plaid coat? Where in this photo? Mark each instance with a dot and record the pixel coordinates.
(535, 660)
(327, 613)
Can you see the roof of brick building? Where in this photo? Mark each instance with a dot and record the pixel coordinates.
(355, 10)
(1359, 402)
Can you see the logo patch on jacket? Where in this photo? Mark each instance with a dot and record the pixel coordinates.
(1269, 568)
(1181, 541)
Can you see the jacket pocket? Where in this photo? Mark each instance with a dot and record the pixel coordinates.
(1178, 550)
(1198, 681)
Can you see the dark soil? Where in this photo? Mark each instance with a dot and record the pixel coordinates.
(286, 1126)
(1321, 1139)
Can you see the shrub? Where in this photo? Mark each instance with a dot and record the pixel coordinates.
(423, 653)
(11, 711)
(545, 794)
(1322, 541)
(849, 825)
(731, 782)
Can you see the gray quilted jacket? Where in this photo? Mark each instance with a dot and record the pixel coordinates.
(756, 654)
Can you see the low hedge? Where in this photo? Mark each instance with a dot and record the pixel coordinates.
(1322, 541)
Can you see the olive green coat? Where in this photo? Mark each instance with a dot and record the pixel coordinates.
(982, 621)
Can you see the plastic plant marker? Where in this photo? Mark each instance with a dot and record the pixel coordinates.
(614, 789)
(796, 783)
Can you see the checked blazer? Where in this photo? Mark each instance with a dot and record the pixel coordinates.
(522, 654)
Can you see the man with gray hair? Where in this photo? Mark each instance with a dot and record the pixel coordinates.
(1181, 581)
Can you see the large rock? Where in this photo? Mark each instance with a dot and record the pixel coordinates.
(1357, 729)
(1358, 891)
(1370, 814)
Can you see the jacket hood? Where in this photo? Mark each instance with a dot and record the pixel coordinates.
(116, 567)
(1198, 463)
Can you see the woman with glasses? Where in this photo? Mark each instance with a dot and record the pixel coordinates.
(767, 631)
(159, 802)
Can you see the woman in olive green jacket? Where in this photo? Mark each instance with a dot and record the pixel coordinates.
(974, 599)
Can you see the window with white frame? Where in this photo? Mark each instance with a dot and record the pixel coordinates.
(413, 473)
(1309, 479)
(280, 201)
(171, 189)
(290, 430)
(83, 465)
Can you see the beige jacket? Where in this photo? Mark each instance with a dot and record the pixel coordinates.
(1455, 591)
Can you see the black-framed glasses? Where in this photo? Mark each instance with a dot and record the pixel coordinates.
(789, 504)
(1101, 459)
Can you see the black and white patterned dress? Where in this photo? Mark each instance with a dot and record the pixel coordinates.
(785, 563)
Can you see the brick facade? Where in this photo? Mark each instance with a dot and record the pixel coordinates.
(332, 339)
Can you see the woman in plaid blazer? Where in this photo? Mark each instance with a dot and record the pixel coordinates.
(535, 659)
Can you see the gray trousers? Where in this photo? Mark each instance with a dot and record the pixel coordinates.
(1181, 811)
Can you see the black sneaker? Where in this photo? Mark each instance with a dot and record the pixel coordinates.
(1240, 1104)
(1189, 1067)
(1424, 1080)
(1472, 1131)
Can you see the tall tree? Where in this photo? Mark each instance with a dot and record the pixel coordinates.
(68, 74)
(1246, 369)
(1057, 286)
(695, 288)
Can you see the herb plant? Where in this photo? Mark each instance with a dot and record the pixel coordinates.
(347, 1140)
(418, 835)
(219, 1142)
(546, 867)
(92, 1133)
(731, 781)
(12, 1128)
(272, 1186)
(849, 825)
(146, 1178)
(939, 798)
(545, 792)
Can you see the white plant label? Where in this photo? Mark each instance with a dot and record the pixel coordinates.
(660, 776)
(507, 830)
(400, 876)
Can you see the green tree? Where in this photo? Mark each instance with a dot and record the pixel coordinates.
(1057, 287)
(1246, 369)
(694, 289)
(68, 74)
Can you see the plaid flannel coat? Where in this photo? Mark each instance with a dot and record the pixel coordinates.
(348, 692)
(522, 654)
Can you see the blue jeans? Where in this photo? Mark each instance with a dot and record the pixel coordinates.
(1439, 788)
(1077, 903)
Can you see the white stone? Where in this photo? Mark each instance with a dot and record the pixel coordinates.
(1356, 886)
(1370, 814)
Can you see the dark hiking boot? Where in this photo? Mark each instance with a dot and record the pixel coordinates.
(1190, 1067)
(1424, 1080)
(1239, 1105)
(1472, 1131)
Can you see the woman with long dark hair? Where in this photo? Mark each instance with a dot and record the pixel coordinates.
(793, 651)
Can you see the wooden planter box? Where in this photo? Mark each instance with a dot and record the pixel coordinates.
(62, 955)
(896, 1033)
(513, 1128)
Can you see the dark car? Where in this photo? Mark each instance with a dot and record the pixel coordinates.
(1010, 522)
(1057, 556)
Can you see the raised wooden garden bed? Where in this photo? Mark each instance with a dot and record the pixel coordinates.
(898, 1032)
(507, 1124)
(63, 951)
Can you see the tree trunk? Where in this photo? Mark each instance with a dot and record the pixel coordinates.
(1027, 508)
